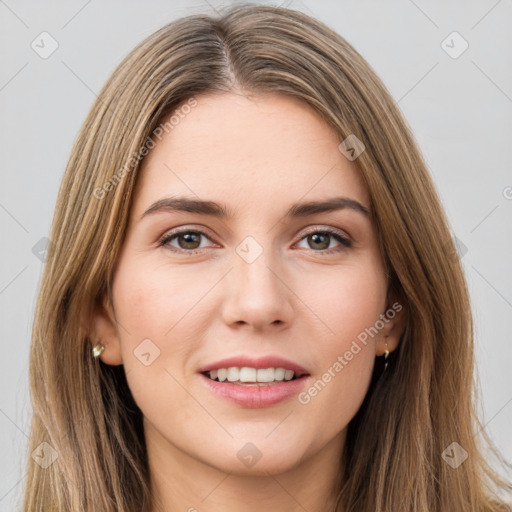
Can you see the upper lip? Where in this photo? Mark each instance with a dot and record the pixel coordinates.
(269, 361)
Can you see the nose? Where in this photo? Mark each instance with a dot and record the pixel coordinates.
(257, 294)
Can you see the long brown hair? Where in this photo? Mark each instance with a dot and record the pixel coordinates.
(85, 420)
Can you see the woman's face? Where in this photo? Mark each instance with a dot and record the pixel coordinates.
(193, 288)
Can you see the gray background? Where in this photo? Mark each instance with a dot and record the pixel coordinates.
(458, 108)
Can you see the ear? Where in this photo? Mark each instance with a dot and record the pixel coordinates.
(104, 329)
(394, 318)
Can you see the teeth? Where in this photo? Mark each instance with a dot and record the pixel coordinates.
(279, 373)
(233, 374)
(247, 374)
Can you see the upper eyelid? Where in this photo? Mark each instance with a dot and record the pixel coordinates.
(319, 227)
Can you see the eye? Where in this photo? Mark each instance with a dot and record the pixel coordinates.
(321, 240)
(188, 240)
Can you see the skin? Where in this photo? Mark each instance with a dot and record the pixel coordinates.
(257, 156)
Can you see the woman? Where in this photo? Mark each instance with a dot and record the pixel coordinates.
(303, 341)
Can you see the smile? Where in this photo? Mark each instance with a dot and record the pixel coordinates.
(252, 393)
(250, 375)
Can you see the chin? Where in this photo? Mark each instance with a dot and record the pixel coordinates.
(270, 465)
(254, 458)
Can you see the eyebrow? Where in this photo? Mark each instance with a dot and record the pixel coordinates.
(191, 205)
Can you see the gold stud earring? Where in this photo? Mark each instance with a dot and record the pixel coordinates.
(97, 350)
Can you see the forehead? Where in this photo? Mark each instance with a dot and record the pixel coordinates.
(268, 149)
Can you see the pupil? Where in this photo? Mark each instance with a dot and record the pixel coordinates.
(190, 239)
(316, 236)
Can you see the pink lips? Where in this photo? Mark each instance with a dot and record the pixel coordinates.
(256, 396)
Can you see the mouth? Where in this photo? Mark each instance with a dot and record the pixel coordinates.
(250, 387)
(249, 376)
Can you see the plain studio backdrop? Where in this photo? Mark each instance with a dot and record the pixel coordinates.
(447, 65)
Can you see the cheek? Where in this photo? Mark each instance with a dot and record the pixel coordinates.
(346, 302)
(349, 304)
(344, 359)
(155, 301)
(159, 315)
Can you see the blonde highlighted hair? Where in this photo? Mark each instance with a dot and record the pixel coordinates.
(424, 401)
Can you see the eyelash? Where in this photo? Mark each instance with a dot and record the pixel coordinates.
(345, 243)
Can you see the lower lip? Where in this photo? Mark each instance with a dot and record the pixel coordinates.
(256, 396)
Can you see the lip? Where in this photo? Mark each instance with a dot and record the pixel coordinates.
(256, 396)
(263, 362)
